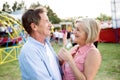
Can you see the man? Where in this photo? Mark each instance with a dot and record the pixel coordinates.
(37, 59)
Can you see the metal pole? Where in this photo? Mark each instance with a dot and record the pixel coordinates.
(116, 28)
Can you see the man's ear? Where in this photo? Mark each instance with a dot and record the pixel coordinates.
(33, 26)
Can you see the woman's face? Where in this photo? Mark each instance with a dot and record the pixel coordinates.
(80, 35)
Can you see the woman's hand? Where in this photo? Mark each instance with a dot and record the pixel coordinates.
(64, 55)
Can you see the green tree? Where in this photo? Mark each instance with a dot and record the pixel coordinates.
(14, 7)
(21, 5)
(17, 6)
(104, 17)
(34, 5)
(53, 16)
(6, 7)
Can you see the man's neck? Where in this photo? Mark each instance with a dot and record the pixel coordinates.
(39, 38)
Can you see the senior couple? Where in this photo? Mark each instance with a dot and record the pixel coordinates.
(38, 60)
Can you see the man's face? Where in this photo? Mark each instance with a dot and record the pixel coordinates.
(44, 25)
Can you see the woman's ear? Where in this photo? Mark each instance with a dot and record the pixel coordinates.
(33, 26)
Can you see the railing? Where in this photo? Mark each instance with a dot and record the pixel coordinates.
(9, 54)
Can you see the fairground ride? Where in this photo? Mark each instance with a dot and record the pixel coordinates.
(12, 36)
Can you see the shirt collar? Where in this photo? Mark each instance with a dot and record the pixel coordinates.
(32, 40)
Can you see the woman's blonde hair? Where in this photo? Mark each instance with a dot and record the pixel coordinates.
(91, 28)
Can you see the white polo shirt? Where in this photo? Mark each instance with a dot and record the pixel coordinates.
(53, 64)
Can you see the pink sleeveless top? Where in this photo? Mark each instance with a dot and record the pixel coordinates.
(79, 59)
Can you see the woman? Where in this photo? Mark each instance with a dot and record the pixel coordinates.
(83, 60)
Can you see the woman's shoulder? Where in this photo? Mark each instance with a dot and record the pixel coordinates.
(94, 54)
(94, 51)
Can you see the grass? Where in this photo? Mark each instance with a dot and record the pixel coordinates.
(10, 71)
(109, 70)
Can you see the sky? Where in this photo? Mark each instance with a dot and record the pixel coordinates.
(71, 8)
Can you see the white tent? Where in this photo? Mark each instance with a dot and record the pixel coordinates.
(17, 14)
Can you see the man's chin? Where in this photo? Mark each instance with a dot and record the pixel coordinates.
(48, 35)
